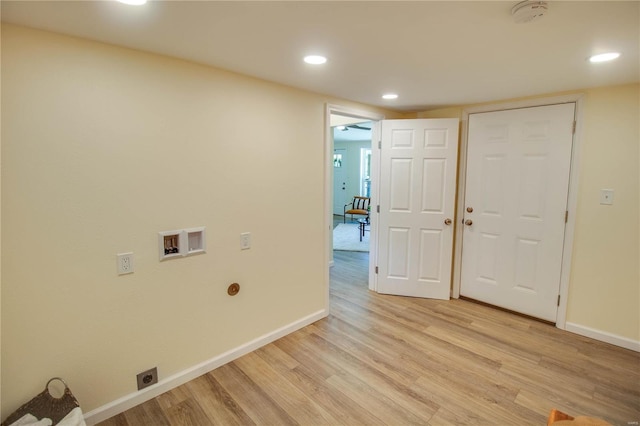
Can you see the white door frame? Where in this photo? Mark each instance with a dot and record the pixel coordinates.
(328, 184)
(572, 201)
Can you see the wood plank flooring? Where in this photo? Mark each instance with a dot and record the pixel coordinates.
(395, 360)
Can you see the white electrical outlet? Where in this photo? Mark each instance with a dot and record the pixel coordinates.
(245, 241)
(125, 263)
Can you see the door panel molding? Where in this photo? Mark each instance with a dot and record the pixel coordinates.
(572, 200)
(417, 199)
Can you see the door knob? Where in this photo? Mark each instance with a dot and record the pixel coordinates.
(468, 222)
(469, 209)
(447, 221)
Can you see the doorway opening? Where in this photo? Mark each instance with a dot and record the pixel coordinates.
(351, 184)
(341, 116)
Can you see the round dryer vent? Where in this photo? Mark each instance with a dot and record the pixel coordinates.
(528, 11)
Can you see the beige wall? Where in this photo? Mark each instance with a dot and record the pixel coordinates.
(102, 148)
(604, 288)
(604, 291)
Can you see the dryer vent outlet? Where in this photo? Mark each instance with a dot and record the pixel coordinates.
(147, 378)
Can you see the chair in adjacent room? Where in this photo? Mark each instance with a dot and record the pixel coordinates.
(359, 205)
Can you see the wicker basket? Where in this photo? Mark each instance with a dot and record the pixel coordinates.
(46, 405)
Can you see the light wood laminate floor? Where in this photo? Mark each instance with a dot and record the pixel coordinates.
(395, 360)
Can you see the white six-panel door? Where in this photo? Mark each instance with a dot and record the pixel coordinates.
(417, 196)
(518, 165)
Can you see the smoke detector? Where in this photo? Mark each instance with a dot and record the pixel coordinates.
(528, 11)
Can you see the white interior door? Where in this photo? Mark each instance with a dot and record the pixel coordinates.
(339, 180)
(417, 196)
(518, 164)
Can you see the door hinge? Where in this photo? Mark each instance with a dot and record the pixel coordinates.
(379, 144)
(558, 300)
(376, 269)
(378, 208)
(575, 123)
(566, 216)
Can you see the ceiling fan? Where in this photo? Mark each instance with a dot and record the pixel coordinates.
(352, 126)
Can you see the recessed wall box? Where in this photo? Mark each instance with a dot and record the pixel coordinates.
(196, 241)
(171, 244)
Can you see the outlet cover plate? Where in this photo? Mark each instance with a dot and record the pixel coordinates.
(147, 378)
(125, 263)
(245, 241)
(606, 197)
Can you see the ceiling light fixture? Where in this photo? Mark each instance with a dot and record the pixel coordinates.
(604, 57)
(315, 59)
(389, 96)
(528, 11)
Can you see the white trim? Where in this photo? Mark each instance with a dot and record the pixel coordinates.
(376, 137)
(527, 103)
(603, 336)
(328, 186)
(459, 213)
(129, 401)
(572, 199)
(572, 207)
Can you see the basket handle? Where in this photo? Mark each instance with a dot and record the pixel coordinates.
(66, 387)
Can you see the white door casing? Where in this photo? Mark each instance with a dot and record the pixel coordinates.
(417, 200)
(517, 178)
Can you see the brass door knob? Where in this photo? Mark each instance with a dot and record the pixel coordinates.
(447, 221)
(468, 222)
(469, 209)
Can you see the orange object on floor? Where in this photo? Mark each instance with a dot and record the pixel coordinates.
(556, 415)
(558, 418)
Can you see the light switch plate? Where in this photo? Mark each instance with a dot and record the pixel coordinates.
(606, 197)
(245, 241)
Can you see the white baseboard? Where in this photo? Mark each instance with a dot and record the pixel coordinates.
(129, 401)
(603, 336)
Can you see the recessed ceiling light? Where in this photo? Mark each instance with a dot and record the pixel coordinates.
(604, 57)
(315, 59)
(133, 2)
(389, 96)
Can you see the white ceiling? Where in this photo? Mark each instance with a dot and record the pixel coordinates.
(432, 53)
